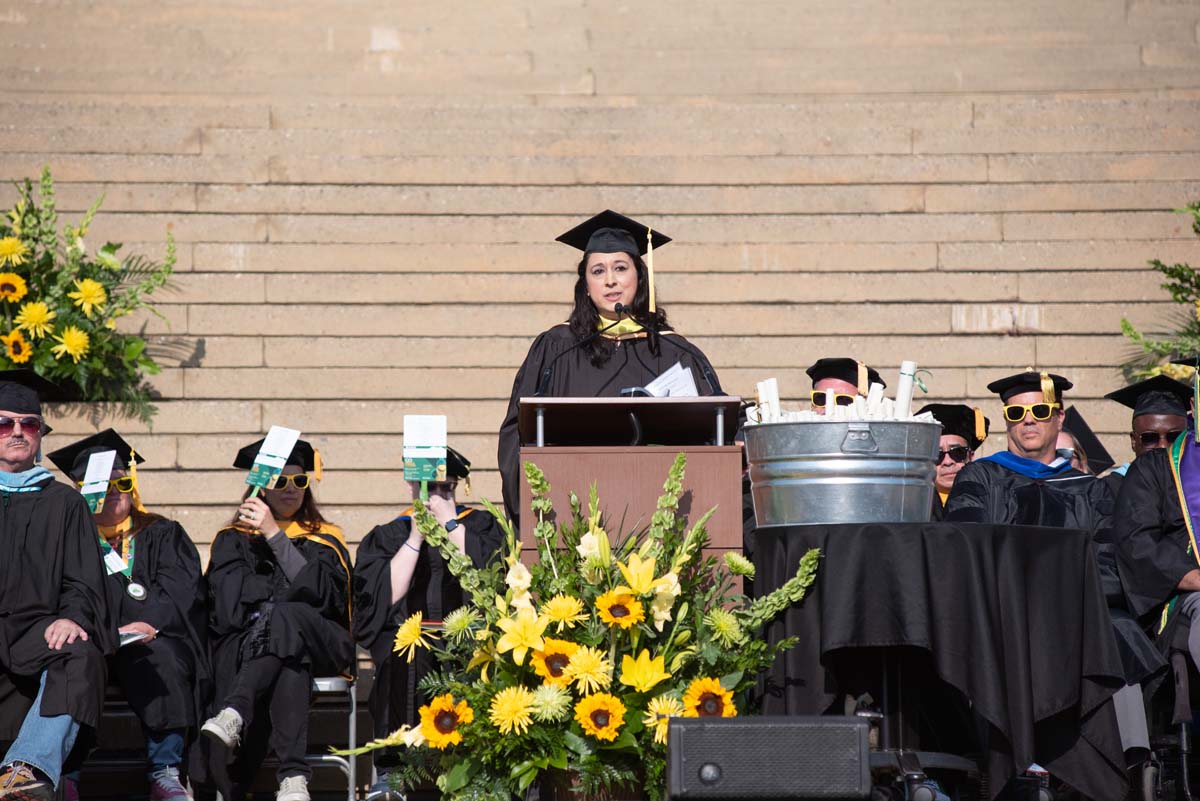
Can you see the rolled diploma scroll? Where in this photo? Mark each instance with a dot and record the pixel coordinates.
(904, 389)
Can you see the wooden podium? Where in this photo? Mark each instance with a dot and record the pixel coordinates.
(626, 446)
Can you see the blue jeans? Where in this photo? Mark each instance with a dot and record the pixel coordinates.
(43, 742)
(164, 749)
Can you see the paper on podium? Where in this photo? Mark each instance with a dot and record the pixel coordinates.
(676, 382)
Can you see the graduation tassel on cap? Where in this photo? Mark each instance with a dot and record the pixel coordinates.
(1047, 388)
(317, 462)
(863, 380)
(137, 496)
(650, 267)
(980, 426)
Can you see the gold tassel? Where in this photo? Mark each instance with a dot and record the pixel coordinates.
(1048, 388)
(863, 381)
(467, 483)
(650, 267)
(137, 496)
(316, 464)
(980, 425)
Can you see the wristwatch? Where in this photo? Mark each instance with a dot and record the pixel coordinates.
(451, 524)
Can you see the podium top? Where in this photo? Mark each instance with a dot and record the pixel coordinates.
(620, 421)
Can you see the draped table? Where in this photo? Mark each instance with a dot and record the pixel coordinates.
(1010, 619)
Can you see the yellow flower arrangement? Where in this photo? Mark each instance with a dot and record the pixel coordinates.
(590, 670)
(621, 609)
(706, 698)
(658, 716)
(12, 287)
(601, 715)
(36, 318)
(440, 721)
(89, 295)
(410, 636)
(512, 710)
(16, 347)
(643, 673)
(564, 611)
(522, 633)
(12, 252)
(552, 660)
(72, 342)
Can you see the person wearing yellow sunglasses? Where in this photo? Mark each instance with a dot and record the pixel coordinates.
(842, 378)
(155, 583)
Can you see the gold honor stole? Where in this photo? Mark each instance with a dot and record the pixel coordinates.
(330, 537)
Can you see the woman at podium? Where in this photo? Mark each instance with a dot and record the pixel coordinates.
(616, 341)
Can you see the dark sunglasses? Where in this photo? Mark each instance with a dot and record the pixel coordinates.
(819, 398)
(7, 424)
(299, 481)
(957, 453)
(1152, 438)
(1015, 412)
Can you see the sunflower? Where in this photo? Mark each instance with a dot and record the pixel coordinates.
(706, 698)
(620, 609)
(643, 673)
(512, 709)
(89, 293)
(658, 716)
(564, 610)
(441, 720)
(12, 287)
(521, 633)
(552, 659)
(589, 669)
(600, 715)
(410, 636)
(36, 318)
(12, 251)
(72, 342)
(17, 347)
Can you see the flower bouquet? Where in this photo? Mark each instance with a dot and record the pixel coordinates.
(566, 672)
(61, 304)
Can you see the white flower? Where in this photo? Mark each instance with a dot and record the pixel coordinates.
(665, 592)
(519, 578)
(588, 547)
(522, 600)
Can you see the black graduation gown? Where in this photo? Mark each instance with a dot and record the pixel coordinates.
(51, 567)
(434, 592)
(166, 681)
(574, 376)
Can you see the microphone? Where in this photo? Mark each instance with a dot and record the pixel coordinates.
(544, 382)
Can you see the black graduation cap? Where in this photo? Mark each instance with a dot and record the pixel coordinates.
(1157, 395)
(960, 420)
(849, 370)
(609, 232)
(457, 465)
(1051, 386)
(73, 459)
(303, 455)
(1099, 459)
(22, 392)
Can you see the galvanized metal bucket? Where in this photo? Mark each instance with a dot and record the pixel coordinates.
(853, 472)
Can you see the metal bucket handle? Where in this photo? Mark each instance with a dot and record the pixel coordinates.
(858, 439)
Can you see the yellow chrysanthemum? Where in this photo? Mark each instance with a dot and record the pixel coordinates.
(564, 611)
(618, 608)
(36, 318)
(643, 673)
(12, 251)
(440, 721)
(16, 347)
(522, 633)
(638, 574)
(601, 715)
(12, 287)
(551, 660)
(72, 342)
(589, 670)
(706, 698)
(89, 293)
(410, 636)
(512, 710)
(658, 716)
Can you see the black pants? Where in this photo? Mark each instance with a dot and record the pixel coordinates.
(284, 688)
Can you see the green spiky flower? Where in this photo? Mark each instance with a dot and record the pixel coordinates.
(551, 704)
(725, 627)
(739, 565)
(459, 623)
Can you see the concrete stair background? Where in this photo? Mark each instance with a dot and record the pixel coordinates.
(366, 195)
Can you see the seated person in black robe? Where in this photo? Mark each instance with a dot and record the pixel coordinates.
(56, 624)
(158, 594)
(1160, 408)
(280, 579)
(845, 378)
(616, 338)
(964, 429)
(397, 575)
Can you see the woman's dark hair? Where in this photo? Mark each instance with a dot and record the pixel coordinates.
(584, 319)
(308, 515)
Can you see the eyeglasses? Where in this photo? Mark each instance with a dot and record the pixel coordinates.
(957, 453)
(7, 424)
(1152, 438)
(1015, 412)
(122, 484)
(299, 481)
(820, 396)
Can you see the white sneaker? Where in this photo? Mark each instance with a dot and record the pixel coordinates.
(226, 727)
(293, 788)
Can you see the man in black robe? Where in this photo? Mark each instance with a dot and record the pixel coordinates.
(1160, 409)
(964, 430)
(54, 615)
(398, 574)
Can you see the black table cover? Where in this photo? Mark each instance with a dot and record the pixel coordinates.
(1012, 617)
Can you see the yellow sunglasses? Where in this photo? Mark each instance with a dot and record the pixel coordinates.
(820, 396)
(122, 484)
(1015, 412)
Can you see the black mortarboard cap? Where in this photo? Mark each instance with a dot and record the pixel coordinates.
(1157, 395)
(609, 232)
(849, 370)
(22, 392)
(1099, 459)
(73, 459)
(960, 420)
(457, 465)
(303, 455)
(1031, 381)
